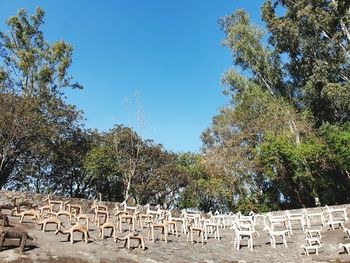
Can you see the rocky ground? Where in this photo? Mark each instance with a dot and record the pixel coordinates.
(47, 247)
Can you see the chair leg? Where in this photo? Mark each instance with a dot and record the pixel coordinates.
(152, 233)
(142, 244)
(284, 241)
(126, 243)
(2, 240)
(165, 230)
(177, 234)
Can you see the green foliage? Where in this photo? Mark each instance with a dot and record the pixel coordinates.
(248, 204)
(207, 188)
(120, 158)
(245, 42)
(294, 169)
(268, 140)
(39, 133)
(313, 35)
(338, 140)
(102, 171)
(32, 66)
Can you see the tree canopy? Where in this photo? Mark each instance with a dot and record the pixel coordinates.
(289, 105)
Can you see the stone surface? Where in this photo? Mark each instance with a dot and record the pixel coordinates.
(47, 247)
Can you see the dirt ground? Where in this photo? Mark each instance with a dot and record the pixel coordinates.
(48, 247)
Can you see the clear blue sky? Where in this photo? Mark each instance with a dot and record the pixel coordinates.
(167, 52)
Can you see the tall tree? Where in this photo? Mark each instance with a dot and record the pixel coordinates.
(314, 37)
(281, 92)
(33, 74)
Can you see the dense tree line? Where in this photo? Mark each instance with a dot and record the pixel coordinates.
(283, 142)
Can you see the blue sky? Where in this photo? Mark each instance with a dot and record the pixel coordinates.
(154, 65)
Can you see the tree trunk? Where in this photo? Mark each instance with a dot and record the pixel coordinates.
(293, 128)
(127, 189)
(128, 185)
(298, 195)
(5, 172)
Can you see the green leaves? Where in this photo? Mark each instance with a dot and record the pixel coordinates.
(245, 42)
(283, 86)
(338, 139)
(120, 158)
(32, 63)
(313, 37)
(206, 187)
(32, 76)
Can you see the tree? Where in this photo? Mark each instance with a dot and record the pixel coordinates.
(121, 165)
(127, 145)
(206, 188)
(31, 66)
(19, 126)
(159, 178)
(32, 77)
(260, 105)
(102, 173)
(314, 37)
(281, 92)
(68, 152)
(295, 170)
